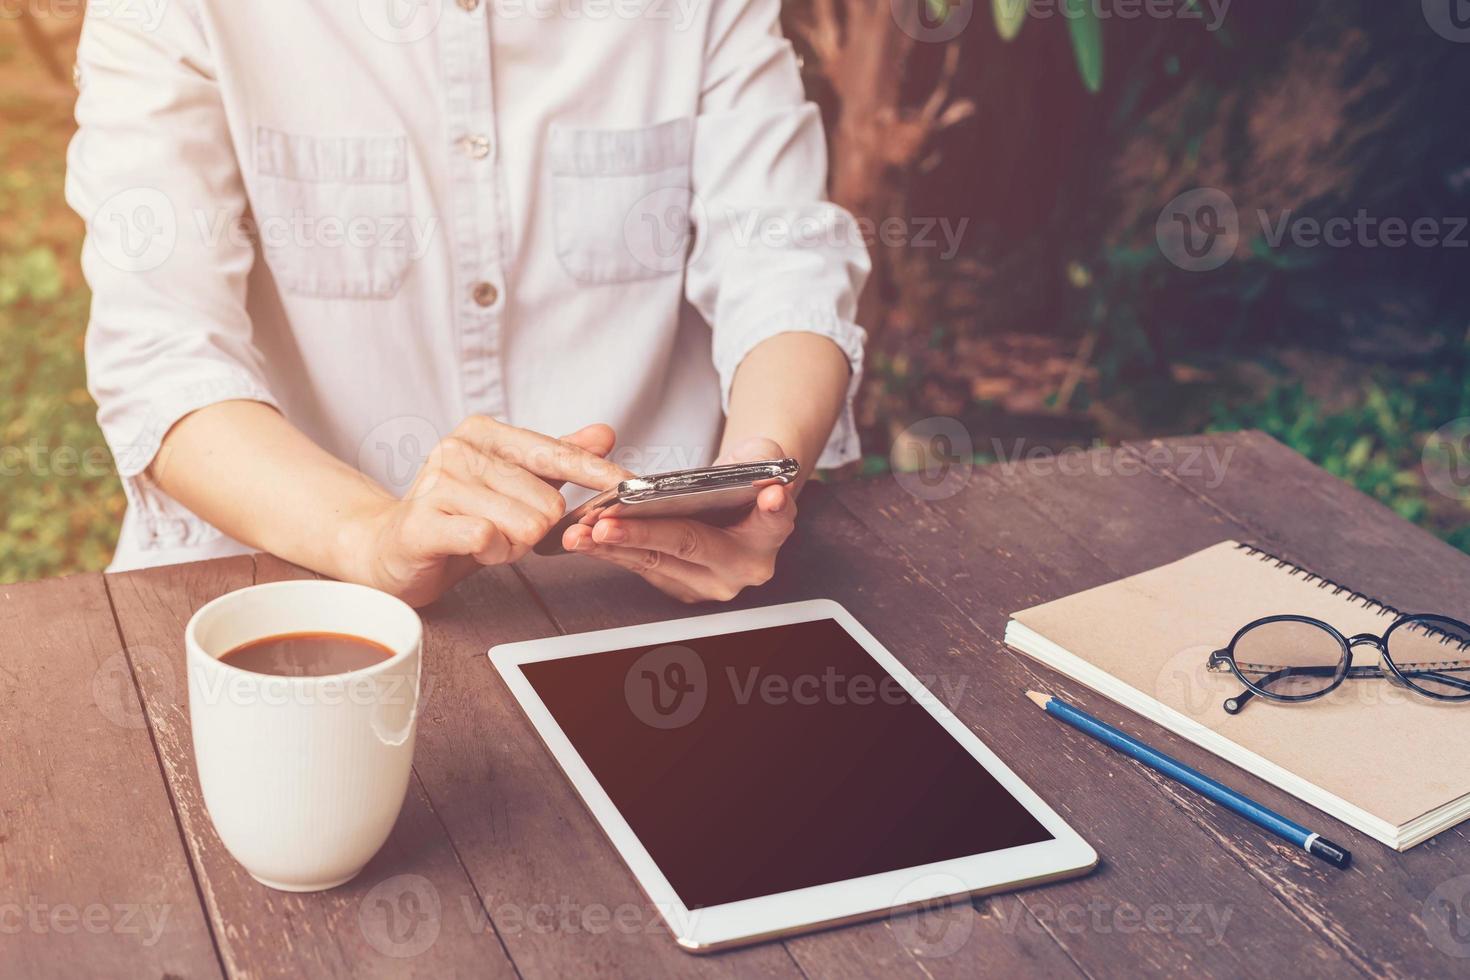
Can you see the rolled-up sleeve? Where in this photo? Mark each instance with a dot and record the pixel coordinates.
(152, 171)
(771, 254)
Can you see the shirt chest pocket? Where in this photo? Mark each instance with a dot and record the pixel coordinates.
(332, 213)
(621, 200)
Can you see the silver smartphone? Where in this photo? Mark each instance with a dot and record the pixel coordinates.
(716, 494)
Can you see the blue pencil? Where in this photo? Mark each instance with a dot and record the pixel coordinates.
(1289, 830)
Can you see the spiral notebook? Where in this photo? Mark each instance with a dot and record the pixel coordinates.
(1372, 754)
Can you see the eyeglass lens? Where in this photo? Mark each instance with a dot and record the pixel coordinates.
(1433, 656)
(1289, 658)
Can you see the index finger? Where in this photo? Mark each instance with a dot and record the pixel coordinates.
(548, 458)
(680, 537)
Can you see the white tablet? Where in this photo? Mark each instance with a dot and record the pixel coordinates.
(773, 770)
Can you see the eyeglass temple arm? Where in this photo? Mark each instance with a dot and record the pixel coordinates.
(1441, 677)
(1236, 704)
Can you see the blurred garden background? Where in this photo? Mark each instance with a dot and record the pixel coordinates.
(1040, 160)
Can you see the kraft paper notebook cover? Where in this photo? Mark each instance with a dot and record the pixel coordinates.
(1372, 754)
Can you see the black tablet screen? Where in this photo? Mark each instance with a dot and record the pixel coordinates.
(773, 759)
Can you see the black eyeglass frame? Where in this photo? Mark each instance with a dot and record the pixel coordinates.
(1225, 659)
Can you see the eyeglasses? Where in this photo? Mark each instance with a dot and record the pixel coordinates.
(1298, 658)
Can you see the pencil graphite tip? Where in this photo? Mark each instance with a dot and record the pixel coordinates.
(1039, 698)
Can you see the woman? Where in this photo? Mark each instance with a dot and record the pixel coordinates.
(354, 267)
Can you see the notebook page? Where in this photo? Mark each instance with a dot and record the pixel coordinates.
(1373, 743)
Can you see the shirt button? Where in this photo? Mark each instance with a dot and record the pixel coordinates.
(475, 146)
(485, 293)
(468, 4)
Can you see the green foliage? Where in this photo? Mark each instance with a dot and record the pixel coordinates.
(31, 275)
(1146, 311)
(1082, 24)
(1009, 16)
(60, 501)
(1086, 31)
(1375, 441)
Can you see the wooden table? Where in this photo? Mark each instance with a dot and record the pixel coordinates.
(109, 865)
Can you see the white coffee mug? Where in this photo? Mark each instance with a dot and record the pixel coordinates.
(303, 776)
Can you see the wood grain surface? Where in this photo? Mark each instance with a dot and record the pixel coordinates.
(496, 869)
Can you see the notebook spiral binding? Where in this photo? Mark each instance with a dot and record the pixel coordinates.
(1367, 601)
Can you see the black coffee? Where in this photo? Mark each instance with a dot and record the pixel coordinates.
(307, 654)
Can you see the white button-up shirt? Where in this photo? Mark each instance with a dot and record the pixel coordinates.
(383, 216)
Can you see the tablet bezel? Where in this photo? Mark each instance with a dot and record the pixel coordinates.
(871, 896)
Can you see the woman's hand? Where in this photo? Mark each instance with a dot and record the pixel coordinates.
(690, 560)
(485, 495)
